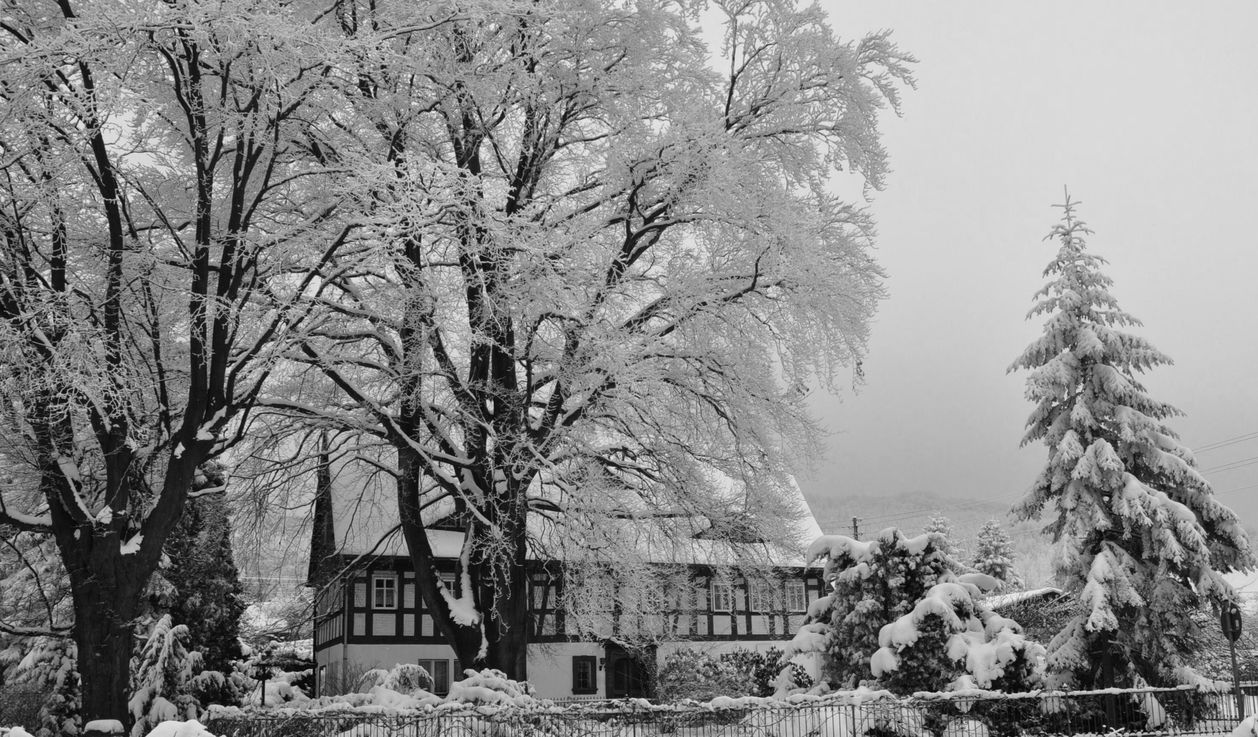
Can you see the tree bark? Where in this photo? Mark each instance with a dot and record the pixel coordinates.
(106, 588)
(500, 596)
(104, 640)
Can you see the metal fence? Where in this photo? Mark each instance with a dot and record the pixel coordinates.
(1178, 711)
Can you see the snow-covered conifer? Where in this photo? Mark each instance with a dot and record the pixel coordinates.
(1143, 541)
(950, 640)
(899, 613)
(160, 678)
(207, 582)
(871, 583)
(49, 662)
(993, 555)
(943, 527)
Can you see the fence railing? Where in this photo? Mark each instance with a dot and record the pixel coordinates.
(1178, 711)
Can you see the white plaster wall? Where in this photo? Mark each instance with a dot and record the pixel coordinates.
(550, 664)
(327, 664)
(366, 657)
(550, 668)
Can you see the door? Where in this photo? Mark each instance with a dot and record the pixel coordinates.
(627, 674)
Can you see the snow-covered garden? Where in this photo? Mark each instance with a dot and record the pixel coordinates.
(554, 279)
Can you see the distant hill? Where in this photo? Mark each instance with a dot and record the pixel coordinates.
(911, 511)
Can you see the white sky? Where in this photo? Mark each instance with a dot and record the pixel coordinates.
(1148, 111)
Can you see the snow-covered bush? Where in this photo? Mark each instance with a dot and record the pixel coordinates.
(190, 728)
(49, 663)
(871, 583)
(286, 667)
(217, 687)
(898, 613)
(951, 640)
(276, 690)
(408, 678)
(702, 676)
(371, 678)
(490, 686)
(764, 671)
(694, 674)
(161, 676)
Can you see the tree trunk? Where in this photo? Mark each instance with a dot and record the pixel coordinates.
(104, 640)
(104, 643)
(506, 612)
(500, 582)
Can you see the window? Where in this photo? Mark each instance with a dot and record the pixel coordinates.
(584, 675)
(757, 597)
(440, 672)
(796, 596)
(722, 597)
(543, 596)
(384, 592)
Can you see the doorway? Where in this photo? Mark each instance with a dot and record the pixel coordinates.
(628, 677)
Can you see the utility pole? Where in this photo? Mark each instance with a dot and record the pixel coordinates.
(856, 529)
(1230, 619)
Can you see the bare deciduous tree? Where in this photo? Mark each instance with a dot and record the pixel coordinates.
(157, 198)
(595, 260)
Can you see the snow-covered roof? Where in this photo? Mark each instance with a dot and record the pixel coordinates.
(365, 521)
(1017, 597)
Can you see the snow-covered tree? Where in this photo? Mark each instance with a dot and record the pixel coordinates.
(898, 613)
(203, 572)
(950, 640)
(160, 204)
(1143, 543)
(595, 257)
(48, 663)
(942, 526)
(871, 583)
(993, 555)
(161, 679)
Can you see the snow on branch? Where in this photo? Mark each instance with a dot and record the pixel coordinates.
(24, 522)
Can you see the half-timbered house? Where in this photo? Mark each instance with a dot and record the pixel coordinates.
(368, 613)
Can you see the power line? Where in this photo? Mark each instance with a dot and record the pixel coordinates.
(885, 519)
(1232, 465)
(1226, 442)
(1238, 488)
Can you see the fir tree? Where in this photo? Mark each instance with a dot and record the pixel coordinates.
(951, 640)
(872, 583)
(203, 572)
(1143, 541)
(899, 613)
(161, 676)
(943, 526)
(993, 555)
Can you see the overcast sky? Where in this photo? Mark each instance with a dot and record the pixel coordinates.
(1149, 112)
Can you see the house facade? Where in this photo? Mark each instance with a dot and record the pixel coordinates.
(369, 614)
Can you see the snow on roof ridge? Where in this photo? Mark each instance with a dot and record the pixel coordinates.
(996, 601)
